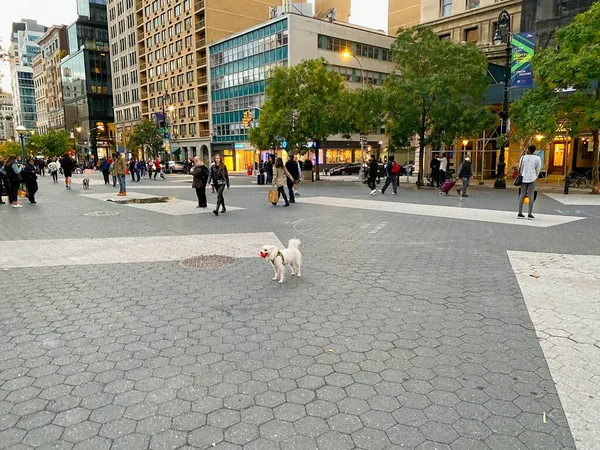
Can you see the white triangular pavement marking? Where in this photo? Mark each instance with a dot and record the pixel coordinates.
(447, 212)
(576, 199)
(122, 250)
(562, 293)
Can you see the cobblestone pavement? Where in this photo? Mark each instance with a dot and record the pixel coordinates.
(404, 331)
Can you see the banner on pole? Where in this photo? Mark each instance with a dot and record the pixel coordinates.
(523, 46)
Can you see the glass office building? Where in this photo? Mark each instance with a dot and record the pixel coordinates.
(239, 67)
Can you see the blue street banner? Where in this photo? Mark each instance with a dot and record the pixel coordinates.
(523, 45)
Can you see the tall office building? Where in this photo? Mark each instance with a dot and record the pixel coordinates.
(172, 40)
(23, 47)
(342, 9)
(125, 67)
(47, 79)
(403, 14)
(6, 117)
(86, 80)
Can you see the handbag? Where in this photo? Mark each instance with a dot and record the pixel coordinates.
(273, 196)
(519, 178)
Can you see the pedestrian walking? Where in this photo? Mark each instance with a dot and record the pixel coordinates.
(200, 174)
(150, 168)
(41, 163)
(132, 169)
(141, 169)
(529, 168)
(120, 170)
(212, 184)
(269, 170)
(372, 175)
(53, 167)
(3, 181)
(220, 178)
(392, 168)
(12, 172)
(105, 168)
(442, 169)
(157, 167)
(434, 165)
(465, 172)
(29, 176)
(68, 166)
(281, 177)
(292, 168)
(300, 179)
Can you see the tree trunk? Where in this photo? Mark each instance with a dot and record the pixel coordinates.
(595, 180)
(421, 159)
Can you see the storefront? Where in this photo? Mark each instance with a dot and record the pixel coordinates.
(236, 157)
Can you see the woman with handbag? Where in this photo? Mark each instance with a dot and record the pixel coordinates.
(219, 178)
(529, 171)
(280, 177)
(13, 177)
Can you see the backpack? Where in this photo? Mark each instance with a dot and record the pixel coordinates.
(395, 168)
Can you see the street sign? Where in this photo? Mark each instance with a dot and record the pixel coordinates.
(283, 144)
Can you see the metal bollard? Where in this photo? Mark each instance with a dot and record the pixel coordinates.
(567, 181)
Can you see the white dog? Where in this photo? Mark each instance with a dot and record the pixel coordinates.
(290, 256)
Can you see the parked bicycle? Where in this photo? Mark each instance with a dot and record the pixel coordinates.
(577, 180)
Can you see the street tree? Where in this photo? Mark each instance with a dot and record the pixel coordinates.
(53, 143)
(571, 62)
(9, 148)
(435, 92)
(146, 136)
(303, 103)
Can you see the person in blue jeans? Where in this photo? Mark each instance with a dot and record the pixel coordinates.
(390, 178)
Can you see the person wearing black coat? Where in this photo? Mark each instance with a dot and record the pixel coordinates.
(220, 179)
(292, 168)
(434, 165)
(269, 170)
(200, 174)
(373, 174)
(3, 181)
(465, 172)
(12, 180)
(29, 176)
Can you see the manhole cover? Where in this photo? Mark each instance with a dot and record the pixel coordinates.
(207, 262)
(126, 201)
(102, 213)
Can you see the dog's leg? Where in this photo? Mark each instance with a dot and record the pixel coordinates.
(276, 274)
(298, 267)
(293, 266)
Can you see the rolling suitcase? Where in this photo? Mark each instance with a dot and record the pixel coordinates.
(260, 179)
(448, 184)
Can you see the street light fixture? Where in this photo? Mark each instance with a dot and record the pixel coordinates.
(21, 130)
(504, 20)
(347, 54)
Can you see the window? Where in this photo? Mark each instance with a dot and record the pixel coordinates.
(472, 4)
(177, 10)
(192, 129)
(192, 111)
(188, 41)
(181, 113)
(446, 8)
(190, 94)
(186, 5)
(187, 23)
(189, 59)
(472, 35)
(189, 77)
(445, 37)
(180, 80)
(182, 129)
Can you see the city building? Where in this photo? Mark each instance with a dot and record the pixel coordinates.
(342, 9)
(403, 14)
(23, 47)
(125, 68)
(6, 117)
(172, 40)
(47, 79)
(86, 81)
(240, 66)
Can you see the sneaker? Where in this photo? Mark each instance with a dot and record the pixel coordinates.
(520, 216)
(465, 195)
(16, 205)
(530, 217)
(374, 192)
(223, 211)
(394, 193)
(296, 193)
(215, 212)
(458, 192)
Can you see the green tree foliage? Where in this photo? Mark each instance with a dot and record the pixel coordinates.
(436, 91)
(303, 102)
(146, 137)
(572, 62)
(10, 148)
(363, 110)
(535, 114)
(53, 143)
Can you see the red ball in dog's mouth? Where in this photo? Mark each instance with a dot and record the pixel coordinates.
(263, 255)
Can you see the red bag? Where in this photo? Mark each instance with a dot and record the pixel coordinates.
(395, 168)
(448, 184)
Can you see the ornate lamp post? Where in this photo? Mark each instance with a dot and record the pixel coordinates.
(21, 130)
(503, 22)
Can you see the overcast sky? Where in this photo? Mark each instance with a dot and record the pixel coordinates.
(369, 13)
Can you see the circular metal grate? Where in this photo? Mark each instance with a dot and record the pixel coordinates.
(208, 262)
(102, 213)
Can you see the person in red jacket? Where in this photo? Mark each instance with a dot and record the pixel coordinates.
(157, 167)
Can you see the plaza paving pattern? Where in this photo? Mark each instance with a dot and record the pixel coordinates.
(405, 331)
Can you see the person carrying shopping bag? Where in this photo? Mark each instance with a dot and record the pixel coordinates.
(280, 177)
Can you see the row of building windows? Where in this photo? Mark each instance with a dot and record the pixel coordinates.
(263, 44)
(239, 103)
(119, 10)
(257, 87)
(362, 50)
(446, 6)
(125, 79)
(177, 97)
(182, 129)
(243, 74)
(127, 114)
(176, 11)
(355, 75)
(127, 97)
(171, 49)
(176, 81)
(170, 32)
(123, 44)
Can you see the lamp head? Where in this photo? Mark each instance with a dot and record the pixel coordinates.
(21, 130)
(171, 108)
(346, 54)
(497, 36)
(465, 142)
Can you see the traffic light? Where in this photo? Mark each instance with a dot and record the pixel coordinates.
(247, 119)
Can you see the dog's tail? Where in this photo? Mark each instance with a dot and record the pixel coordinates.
(294, 243)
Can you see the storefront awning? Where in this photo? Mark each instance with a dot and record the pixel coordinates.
(121, 149)
(175, 150)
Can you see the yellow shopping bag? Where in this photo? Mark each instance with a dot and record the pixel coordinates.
(273, 196)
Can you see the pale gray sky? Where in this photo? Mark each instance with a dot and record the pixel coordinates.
(369, 13)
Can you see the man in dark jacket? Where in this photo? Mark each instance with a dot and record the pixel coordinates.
(434, 165)
(200, 174)
(105, 168)
(269, 170)
(292, 168)
(465, 172)
(373, 174)
(390, 176)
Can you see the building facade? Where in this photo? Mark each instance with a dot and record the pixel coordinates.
(47, 79)
(6, 117)
(342, 9)
(172, 40)
(23, 47)
(403, 14)
(241, 64)
(86, 81)
(125, 68)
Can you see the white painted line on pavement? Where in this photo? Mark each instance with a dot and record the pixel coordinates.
(125, 250)
(562, 296)
(447, 212)
(576, 199)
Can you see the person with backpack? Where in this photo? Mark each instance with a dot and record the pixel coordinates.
(105, 168)
(200, 174)
(392, 169)
(465, 172)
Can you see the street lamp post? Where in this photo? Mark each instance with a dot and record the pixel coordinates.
(503, 22)
(21, 130)
(166, 98)
(348, 54)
